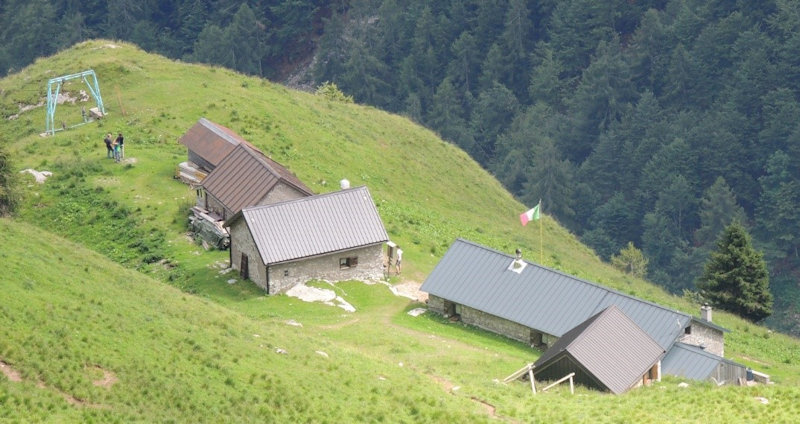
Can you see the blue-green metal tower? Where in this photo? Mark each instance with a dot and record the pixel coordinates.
(89, 77)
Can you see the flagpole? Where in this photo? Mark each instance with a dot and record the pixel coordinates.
(541, 248)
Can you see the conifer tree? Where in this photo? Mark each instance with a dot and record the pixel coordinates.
(735, 277)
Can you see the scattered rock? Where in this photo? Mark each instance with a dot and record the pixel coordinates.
(313, 294)
(321, 353)
(40, 176)
(400, 364)
(763, 400)
(256, 335)
(455, 388)
(281, 351)
(294, 323)
(683, 385)
(381, 378)
(232, 281)
(417, 312)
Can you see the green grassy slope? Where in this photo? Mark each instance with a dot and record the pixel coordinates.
(428, 193)
(71, 317)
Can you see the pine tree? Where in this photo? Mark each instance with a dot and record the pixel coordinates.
(630, 260)
(735, 277)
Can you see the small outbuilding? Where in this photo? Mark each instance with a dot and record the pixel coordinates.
(246, 177)
(209, 143)
(696, 363)
(335, 236)
(608, 351)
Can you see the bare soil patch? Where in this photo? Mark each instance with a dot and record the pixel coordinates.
(10, 372)
(410, 289)
(108, 379)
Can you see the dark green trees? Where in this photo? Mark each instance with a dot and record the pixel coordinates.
(735, 277)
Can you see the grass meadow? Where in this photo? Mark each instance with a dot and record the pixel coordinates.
(101, 281)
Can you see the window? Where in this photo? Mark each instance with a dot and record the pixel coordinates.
(285, 272)
(688, 329)
(345, 263)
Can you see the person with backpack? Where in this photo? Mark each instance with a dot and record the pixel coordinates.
(109, 149)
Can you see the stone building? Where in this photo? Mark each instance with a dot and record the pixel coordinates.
(248, 178)
(536, 305)
(335, 236)
(208, 143)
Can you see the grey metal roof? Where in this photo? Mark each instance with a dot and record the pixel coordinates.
(610, 347)
(245, 177)
(211, 141)
(692, 362)
(710, 324)
(315, 225)
(539, 297)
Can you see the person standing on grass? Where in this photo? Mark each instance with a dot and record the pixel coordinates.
(121, 142)
(109, 149)
(398, 262)
(115, 146)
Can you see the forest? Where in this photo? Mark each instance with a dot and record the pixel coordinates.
(656, 122)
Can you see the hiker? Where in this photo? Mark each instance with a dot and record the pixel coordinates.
(121, 142)
(397, 263)
(109, 149)
(115, 146)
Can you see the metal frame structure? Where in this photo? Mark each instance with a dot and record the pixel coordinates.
(89, 77)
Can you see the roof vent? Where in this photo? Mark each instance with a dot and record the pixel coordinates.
(517, 265)
(344, 184)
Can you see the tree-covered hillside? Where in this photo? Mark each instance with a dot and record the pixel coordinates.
(654, 122)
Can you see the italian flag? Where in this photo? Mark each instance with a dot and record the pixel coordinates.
(531, 215)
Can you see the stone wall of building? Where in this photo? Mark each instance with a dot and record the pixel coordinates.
(215, 206)
(281, 193)
(701, 335)
(436, 304)
(491, 323)
(200, 161)
(242, 243)
(327, 267)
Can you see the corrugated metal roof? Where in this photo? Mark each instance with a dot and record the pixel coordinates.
(610, 347)
(245, 176)
(539, 297)
(692, 362)
(315, 225)
(212, 141)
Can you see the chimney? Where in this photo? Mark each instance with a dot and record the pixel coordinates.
(705, 312)
(519, 254)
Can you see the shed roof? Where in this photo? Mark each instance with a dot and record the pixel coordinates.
(610, 347)
(245, 176)
(212, 141)
(693, 362)
(315, 225)
(538, 297)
